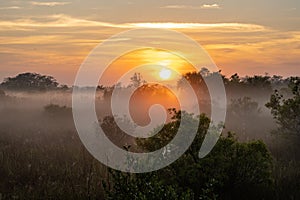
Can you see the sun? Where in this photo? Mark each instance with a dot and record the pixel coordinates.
(165, 73)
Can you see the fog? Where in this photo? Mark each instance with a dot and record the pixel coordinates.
(40, 148)
(247, 115)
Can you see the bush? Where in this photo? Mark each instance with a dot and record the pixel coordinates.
(232, 170)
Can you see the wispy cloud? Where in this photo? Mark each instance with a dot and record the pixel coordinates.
(10, 8)
(63, 42)
(68, 21)
(211, 6)
(233, 26)
(50, 4)
(178, 7)
(204, 6)
(56, 21)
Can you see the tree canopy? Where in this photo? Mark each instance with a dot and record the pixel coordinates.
(232, 170)
(30, 81)
(286, 111)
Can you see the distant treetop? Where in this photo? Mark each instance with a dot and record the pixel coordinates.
(31, 82)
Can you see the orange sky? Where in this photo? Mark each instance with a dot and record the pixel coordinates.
(54, 37)
(157, 60)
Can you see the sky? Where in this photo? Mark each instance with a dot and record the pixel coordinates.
(54, 37)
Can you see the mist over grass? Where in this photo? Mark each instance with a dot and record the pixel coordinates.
(43, 157)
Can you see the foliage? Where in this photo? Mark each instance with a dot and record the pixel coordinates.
(259, 82)
(137, 80)
(57, 110)
(46, 160)
(41, 157)
(115, 133)
(285, 107)
(30, 81)
(144, 187)
(287, 111)
(244, 116)
(232, 170)
(244, 106)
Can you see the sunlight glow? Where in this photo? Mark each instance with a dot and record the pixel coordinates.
(164, 63)
(165, 74)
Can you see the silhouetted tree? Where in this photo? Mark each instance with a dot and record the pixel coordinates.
(115, 133)
(232, 170)
(137, 80)
(30, 81)
(63, 87)
(287, 111)
(107, 93)
(261, 84)
(197, 82)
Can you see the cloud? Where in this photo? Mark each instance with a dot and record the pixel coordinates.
(177, 7)
(68, 21)
(205, 6)
(211, 6)
(50, 4)
(61, 42)
(10, 8)
(171, 25)
(55, 21)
